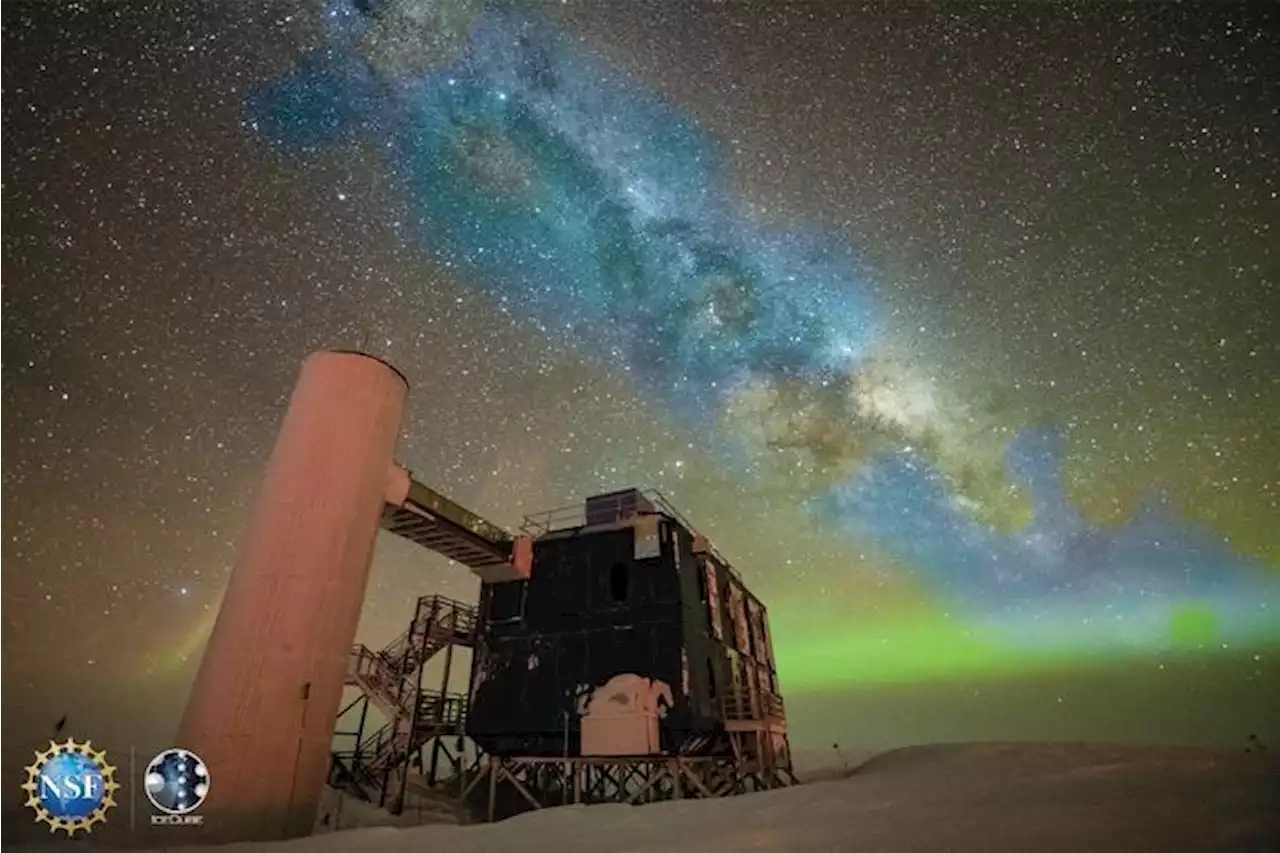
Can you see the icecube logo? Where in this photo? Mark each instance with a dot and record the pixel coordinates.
(176, 783)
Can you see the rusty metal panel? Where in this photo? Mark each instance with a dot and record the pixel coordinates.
(713, 598)
(738, 612)
(766, 639)
(759, 648)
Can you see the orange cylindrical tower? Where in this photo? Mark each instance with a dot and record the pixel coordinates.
(262, 710)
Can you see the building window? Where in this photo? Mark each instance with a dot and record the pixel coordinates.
(711, 678)
(618, 582)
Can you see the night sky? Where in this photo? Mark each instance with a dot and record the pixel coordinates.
(954, 325)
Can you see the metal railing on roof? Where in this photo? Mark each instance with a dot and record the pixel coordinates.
(561, 518)
(575, 516)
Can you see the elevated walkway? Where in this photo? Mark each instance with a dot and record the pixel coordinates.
(425, 517)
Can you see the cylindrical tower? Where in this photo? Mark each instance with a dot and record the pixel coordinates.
(262, 710)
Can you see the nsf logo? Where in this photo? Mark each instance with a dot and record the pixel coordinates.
(70, 787)
(176, 782)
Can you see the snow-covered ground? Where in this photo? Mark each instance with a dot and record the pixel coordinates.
(993, 798)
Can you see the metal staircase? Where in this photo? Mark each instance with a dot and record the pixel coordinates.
(376, 765)
(390, 681)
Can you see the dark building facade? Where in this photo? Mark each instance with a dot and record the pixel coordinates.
(630, 637)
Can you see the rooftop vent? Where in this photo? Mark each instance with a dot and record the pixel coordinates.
(617, 506)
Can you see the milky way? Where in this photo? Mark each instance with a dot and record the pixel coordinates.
(588, 207)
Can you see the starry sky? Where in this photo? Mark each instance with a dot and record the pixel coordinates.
(953, 324)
